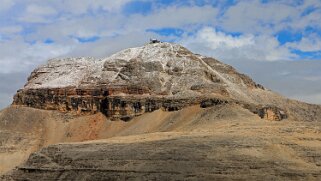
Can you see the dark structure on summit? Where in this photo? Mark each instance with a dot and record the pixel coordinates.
(152, 40)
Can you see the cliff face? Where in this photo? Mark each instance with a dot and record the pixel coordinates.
(138, 80)
(91, 101)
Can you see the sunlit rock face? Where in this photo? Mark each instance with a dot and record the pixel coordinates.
(137, 80)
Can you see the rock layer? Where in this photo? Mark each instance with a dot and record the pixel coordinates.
(91, 101)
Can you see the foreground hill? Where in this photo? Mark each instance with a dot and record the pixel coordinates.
(222, 142)
(155, 112)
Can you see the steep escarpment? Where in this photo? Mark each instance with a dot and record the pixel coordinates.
(91, 101)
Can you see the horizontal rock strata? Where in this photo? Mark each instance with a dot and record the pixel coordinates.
(91, 101)
(219, 157)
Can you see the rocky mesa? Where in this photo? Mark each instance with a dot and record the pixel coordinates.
(143, 79)
(155, 112)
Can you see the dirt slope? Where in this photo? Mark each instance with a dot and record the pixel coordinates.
(219, 142)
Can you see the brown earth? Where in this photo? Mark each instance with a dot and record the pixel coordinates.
(220, 142)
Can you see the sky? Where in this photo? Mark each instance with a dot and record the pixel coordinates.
(276, 42)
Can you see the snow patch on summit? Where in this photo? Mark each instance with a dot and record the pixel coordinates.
(59, 73)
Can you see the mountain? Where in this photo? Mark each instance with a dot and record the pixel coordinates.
(139, 80)
(155, 112)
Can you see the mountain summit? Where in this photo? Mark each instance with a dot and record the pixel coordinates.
(158, 68)
(156, 112)
(143, 79)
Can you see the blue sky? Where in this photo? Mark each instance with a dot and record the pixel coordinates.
(291, 27)
(233, 31)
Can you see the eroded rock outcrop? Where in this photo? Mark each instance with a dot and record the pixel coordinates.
(272, 113)
(137, 80)
(91, 101)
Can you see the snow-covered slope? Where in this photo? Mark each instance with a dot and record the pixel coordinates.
(63, 73)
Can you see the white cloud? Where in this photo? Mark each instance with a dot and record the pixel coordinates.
(25, 56)
(309, 43)
(252, 16)
(6, 5)
(117, 24)
(78, 7)
(10, 29)
(38, 14)
(173, 17)
(111, 5)
(255, 17)
(311, 19)
(218, 44)
(217, 39)
(40, 10)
